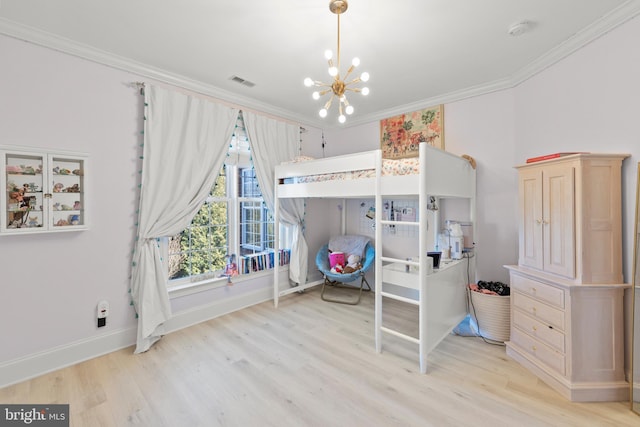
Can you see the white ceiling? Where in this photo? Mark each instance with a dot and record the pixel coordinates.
(418, 52)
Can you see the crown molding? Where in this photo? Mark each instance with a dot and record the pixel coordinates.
(64, 45)
(446, 98)
(628, 10)
(597, 29)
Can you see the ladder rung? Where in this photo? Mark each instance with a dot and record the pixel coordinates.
(388, 222)
(398, 260)
(399, 298)
(400, 335)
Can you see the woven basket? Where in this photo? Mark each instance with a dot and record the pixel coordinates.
(491, 315)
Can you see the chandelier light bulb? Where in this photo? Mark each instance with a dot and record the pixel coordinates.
(342, 80)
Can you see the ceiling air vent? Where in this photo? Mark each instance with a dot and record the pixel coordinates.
(242, 81)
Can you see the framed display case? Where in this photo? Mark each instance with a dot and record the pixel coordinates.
(44, 191)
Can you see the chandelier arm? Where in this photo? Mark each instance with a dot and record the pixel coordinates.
(356, 80)
(328, 104)
(349, 72)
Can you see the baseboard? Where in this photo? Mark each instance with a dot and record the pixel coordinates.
(201, 314)
(34, 365)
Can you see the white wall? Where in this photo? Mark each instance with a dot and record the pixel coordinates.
(52, 283)
(48, 99)
(588, 102)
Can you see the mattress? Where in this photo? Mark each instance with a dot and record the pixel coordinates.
(407, 166)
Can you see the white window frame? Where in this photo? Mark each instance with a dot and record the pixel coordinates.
(190, 284)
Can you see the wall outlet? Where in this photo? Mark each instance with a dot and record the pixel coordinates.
(103, 312)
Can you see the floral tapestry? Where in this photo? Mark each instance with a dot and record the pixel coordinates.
(400, 135)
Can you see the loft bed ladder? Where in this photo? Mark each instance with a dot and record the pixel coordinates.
(421, 224)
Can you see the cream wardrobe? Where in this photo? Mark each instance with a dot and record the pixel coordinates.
(567, 291)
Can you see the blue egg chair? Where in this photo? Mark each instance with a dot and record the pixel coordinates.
(339, 280)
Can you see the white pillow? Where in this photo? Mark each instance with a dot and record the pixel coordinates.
(349, 244)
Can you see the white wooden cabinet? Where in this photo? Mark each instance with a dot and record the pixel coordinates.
(44, 191)
(570, 217)
(567, 292)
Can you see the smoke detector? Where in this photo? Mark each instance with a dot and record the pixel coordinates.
(519, 28)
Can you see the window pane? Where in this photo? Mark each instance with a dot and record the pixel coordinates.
(201, 248)
(248, 185)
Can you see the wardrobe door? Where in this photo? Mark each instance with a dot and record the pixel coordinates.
(558, 219)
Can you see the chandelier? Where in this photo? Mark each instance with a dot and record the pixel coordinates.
(339, 86)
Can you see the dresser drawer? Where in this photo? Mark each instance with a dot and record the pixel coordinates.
(539, 330)
(541, 291)
(541, 351)
(538, 310)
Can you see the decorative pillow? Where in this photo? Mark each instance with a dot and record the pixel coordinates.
(349, 244)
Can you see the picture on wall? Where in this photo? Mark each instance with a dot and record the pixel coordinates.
(400, 135)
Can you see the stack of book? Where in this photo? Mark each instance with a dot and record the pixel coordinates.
(263, 261)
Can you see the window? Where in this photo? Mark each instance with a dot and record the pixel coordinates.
(256, 222)
(234, 220)
(203, 246)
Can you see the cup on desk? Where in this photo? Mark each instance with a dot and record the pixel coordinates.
(436, 258)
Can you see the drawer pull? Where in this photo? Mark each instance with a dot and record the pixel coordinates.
(533, 309)
(535, 328)
(533, 347)
(534, 290)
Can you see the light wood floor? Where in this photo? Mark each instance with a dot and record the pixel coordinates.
(308, 363)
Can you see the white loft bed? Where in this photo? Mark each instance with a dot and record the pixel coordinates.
(441, 175)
